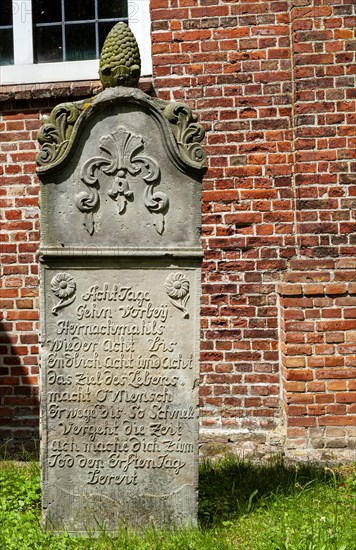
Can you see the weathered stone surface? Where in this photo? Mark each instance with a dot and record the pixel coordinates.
(120, 287)
(119, 387)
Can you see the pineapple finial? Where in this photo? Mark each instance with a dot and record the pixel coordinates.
(120, 62)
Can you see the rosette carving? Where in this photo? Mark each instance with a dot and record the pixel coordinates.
(187, 132)
(122, 155)
(63, 286)
(177, 288)
(55, 134)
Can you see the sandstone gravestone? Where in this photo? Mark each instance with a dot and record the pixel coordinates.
(120, 285)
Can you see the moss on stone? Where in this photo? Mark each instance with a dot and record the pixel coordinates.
(120, 63)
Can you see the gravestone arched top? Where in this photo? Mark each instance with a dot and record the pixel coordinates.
(121, 170)
(60, 133)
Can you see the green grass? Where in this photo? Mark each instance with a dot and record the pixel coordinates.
(241, 506)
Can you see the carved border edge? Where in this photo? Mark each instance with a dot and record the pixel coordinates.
(62, 129)
(125, 251)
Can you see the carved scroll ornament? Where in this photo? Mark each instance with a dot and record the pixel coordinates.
(122, 155)
(187, 132)
(55, 134)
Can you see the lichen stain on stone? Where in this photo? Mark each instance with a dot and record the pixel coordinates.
(88, 103)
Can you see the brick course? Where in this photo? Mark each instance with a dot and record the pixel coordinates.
(273, 83)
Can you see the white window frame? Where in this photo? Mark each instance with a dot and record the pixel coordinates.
(24, 71)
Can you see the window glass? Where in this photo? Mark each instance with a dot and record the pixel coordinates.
(6, 13)
(104, 29)
(80, 42)
(73, 30)
(108, 9)
(6, 40)
(6, 47)
(47, 12)
(79, 9)
(60, 40)
(48, 44)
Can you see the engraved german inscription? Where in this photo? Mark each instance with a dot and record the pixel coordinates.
(119, 380)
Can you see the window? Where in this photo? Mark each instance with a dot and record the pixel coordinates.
(60, 40)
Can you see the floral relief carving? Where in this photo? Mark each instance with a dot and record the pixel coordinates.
(177, 288)
(122, 154)
(63, 286)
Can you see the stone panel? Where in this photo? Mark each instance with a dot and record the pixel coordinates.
(121, 184)
(119, 387)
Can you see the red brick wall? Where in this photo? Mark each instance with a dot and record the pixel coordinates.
(19, 283)
(318, 301)
(273, 84)
(318, 356)
(231, 62)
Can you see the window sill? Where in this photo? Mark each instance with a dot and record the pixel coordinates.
(59, 90)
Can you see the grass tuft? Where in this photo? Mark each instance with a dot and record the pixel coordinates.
(242, 506)
(232, 488)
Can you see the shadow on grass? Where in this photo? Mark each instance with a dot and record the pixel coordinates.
(10, 451)
(231, 488)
